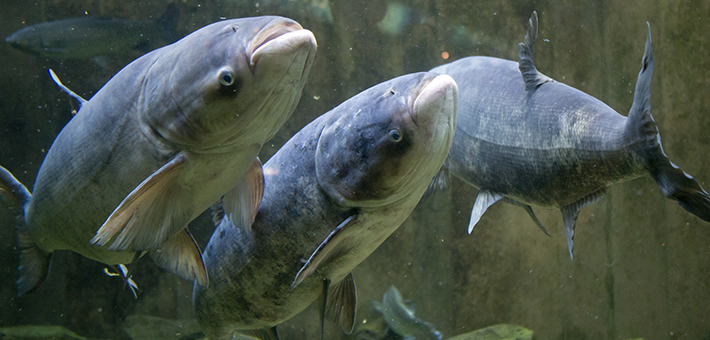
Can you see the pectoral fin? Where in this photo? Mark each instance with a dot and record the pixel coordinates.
(440, 182)
(153, 212)
(180, 255)
(485, 199)
(570, 213)
(324, 250)
(241, 203)
(341, 302)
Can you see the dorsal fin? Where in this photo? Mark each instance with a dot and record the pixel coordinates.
(532, 78)
(78, 100)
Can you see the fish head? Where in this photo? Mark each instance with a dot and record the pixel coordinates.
(387, 143)
(25, 40)
(230, 83)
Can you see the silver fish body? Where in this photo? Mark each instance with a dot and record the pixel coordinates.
(160, 142)
(333, 193)
(527, 139)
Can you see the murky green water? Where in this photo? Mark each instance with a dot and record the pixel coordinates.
(641, 262)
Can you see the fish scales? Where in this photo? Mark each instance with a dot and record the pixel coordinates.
(335, 191)
(160, 142)
(528, 139)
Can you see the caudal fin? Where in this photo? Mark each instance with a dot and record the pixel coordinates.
(34, 263)
(673, 181)
(678, 185)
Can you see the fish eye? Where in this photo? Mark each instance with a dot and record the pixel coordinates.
(395, 136)
(226, 78)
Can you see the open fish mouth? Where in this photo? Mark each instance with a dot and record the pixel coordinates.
(278, 38)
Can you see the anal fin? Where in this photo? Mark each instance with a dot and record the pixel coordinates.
(181, 256)
(485, 199)
(153, 212)
(570, 213)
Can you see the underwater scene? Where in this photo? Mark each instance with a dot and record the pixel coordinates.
(314, 169)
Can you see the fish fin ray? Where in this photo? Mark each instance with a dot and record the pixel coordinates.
(530, 212)
(153, 212)
(410, 305)
(531, 76)
(440, 182)
(181, 256)
(377, 306)
(262, 334)
(241, 203)
(678, 185)
(14, 193)
(485, 199)
(322, 301)
(217, 212)
(34, 264)
(324, 249)
(77, 101)
(341, 302)
(570, 213)
(673, 182)
(639, 114)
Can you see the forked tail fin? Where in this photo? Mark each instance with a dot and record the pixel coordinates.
(34, 263)
(673, 181)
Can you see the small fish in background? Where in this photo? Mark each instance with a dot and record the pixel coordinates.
(332, 194)
(89, 37)
(158, 144)
(401, 320)
(524, 138)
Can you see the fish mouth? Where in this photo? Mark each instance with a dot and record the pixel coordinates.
(436, 98)
(277, 38)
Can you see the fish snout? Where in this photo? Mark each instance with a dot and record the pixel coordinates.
(281, 38)
(13, 40)
(435, 104)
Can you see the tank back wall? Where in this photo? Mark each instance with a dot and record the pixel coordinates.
(640, 267)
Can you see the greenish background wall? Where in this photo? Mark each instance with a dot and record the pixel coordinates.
(641, 261)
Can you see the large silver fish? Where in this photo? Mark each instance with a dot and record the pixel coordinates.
(162, 141)
(333, 193)
(401, 320)
(527, 139)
